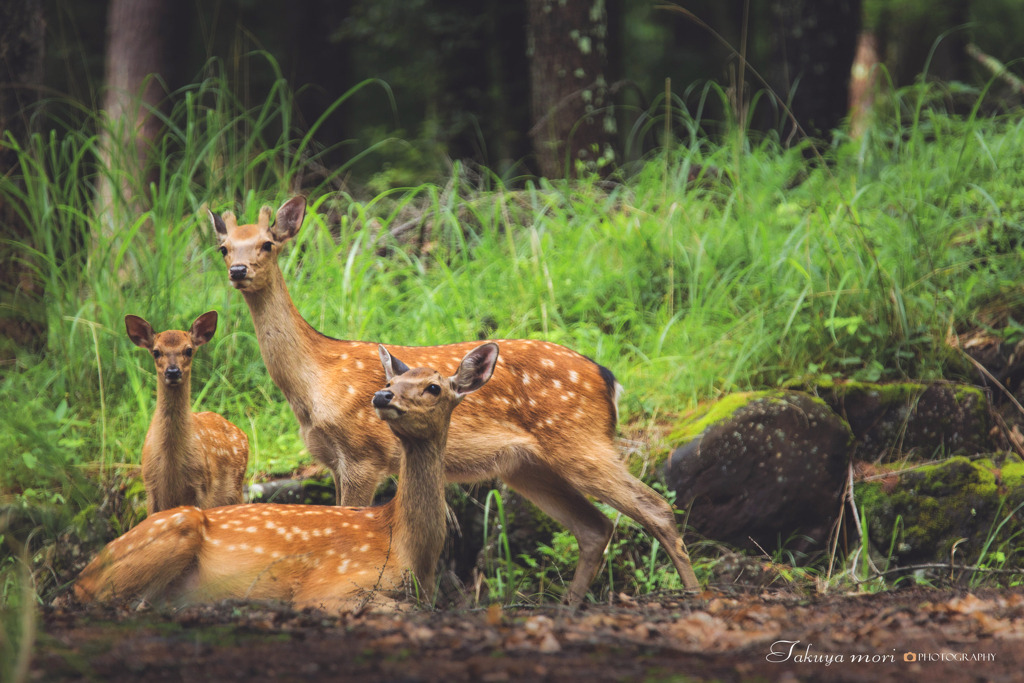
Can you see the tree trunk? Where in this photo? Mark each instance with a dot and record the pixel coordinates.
(136, 31)
(22, 31)
(815, 42)
(863, 80)
(573, 120)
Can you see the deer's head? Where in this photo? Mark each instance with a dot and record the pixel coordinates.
(418, 402)
(250, 251)
(172, 350)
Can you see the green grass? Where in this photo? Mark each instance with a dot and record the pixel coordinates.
(770, 270)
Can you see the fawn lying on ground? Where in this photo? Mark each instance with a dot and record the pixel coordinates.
(188, 458)
(545, 424)
(310, 555)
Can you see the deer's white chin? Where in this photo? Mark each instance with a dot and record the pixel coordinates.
(388, 413)
(241, 284)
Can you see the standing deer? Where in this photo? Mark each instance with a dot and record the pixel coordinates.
(307, 554)
(545, 424)
(188, 458)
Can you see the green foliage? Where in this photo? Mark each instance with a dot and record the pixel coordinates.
(772, 270)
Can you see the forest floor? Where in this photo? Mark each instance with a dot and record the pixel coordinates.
(956, 636)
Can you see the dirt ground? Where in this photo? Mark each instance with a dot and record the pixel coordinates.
(772, 636)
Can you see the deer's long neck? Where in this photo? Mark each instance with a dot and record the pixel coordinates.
(174, 430)
(420, 526)
(286, 340)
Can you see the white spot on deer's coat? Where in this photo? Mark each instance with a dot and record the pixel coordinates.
(359, 364)
(573, 377)
(547, 362)
(548, 421)
(270, 525)
(558, 385)
(258, 550)
(526, 378)
(364, 548)
(351, 389)
(223, 526)
(343, 567)
(251, 529)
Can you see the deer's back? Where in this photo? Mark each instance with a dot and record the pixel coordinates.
(542, 396)
(225, 448)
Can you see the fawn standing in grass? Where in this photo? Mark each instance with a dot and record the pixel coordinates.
(545, 424)
(188, 458)
(310, 555)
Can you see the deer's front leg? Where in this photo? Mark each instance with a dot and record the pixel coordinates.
(357, 483)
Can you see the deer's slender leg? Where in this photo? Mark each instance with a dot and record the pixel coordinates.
(554, 495)
(358, 483)
(633, 498)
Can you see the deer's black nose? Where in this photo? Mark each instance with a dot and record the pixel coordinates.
(238, 272)
(382, 398)
(173, 373)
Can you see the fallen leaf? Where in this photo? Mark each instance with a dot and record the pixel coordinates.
(549, 644)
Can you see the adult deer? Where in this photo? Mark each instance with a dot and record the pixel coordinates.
(188, 458)
(545, 424)
(307, 554)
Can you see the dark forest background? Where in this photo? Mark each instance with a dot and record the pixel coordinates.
(499, 83)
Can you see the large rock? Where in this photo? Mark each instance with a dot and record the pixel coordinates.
(928, 421)
(922, 512)
(763, 465)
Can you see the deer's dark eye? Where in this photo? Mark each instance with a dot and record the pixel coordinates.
(188, 353)
(267, 246)
(223, 251)
(434, 390)
(156, 354)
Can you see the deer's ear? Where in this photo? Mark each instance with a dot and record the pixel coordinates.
(289, 219)
(475, 369)
(219, 228)
(392, 366)
(203, 328)
(139, 331)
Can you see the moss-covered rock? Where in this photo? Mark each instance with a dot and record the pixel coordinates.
(764, 465)
(923, 512)
(928, 420)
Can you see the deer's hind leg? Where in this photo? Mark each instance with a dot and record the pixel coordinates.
(145, 561)
(549, 491)
(614, 485)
